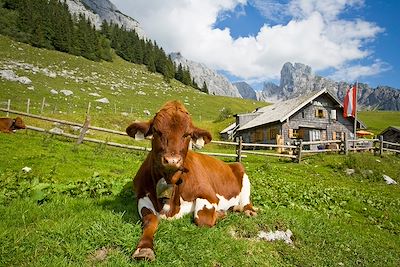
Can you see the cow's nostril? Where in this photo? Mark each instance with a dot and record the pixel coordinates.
(172, 160)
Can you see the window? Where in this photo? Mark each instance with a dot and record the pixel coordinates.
(293, 133)
(315, 135)
(259, 135)
(273, 133)
(303, 115)
(319, 113)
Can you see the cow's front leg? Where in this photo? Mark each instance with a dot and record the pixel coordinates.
(205, 213)
(144, 250)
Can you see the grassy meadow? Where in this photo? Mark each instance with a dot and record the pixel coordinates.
(76, 207)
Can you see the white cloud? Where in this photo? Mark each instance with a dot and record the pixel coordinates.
(314, 35)
(354, 72)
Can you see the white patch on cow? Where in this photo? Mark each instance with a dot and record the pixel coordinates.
(166, 208)
(202, 203)
(186, 207)
(245, 192)
(225, 204)
(145, 202)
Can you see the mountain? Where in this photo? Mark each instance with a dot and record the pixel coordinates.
(298, 79)
(99, 10)
(216, 83)
(245, 90)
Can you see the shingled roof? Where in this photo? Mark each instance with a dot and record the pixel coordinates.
(281, 111)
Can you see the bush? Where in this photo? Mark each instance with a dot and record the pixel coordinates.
(224, 114)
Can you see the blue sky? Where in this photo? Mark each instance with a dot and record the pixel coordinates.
(250, 40)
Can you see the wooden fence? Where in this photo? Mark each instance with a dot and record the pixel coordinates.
(295, 152)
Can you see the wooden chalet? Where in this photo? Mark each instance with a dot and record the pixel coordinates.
(312, 117)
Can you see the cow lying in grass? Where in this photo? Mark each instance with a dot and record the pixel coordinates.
(8, 125)
(199, 184)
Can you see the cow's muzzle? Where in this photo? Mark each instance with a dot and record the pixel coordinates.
(172, 162)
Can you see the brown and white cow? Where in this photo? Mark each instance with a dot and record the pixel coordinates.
(8, 125)
(199, 184)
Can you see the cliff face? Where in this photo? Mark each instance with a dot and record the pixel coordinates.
(298, 79)
(245, 90)
(99, 10)
(216, 83)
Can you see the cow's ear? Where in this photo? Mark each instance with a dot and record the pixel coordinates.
(139, 130)
(200, 136)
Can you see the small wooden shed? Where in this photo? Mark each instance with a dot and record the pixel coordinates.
(391, 134)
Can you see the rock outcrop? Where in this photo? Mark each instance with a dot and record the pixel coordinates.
(298, 79)
(216, 83)
(245, 90)
(99, 10)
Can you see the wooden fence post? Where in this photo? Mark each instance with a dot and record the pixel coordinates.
(27, 105)
(299, 150)
(43, 101)
(239, 150)
(84, 129)
(88, 109)
(346, 145)
(8, 107)
(380, 145)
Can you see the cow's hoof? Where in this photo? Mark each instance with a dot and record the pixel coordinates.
(250, 213)
(144, 254)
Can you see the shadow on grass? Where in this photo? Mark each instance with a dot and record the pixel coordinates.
(125, 202)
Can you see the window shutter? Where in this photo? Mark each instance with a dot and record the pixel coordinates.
(333, 135)
(316, 113)
(290, 133)
(301, 133)
(333, 114)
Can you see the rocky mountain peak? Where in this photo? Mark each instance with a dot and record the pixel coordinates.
(99, 10)
(216, 83)
(245, 90)
(298, 79)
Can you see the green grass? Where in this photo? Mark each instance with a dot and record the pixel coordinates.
(77, 201)
(86, 204)
(377, 121)
(129, 87)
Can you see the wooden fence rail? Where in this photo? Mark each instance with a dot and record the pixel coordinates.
(295, 152)
(63, 121)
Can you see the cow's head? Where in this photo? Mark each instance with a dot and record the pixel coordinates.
(18, 123)
(172, 131)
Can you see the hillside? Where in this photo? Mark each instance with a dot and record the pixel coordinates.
(132, 92)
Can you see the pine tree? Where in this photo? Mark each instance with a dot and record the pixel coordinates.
(204, 88)
(186, 79)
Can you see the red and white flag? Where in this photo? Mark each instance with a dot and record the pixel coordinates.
(350, 102)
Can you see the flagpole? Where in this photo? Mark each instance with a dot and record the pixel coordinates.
(355, 114)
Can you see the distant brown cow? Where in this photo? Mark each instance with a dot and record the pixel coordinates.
(199, 184)
(8, 125)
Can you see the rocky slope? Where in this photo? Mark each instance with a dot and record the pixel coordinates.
(298, 79)
(245, 90)
(99, 10)
(216, 83)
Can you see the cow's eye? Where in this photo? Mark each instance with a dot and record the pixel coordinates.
(186, 135)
